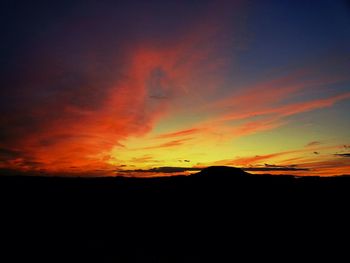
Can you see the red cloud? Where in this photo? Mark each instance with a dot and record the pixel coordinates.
(73, 109)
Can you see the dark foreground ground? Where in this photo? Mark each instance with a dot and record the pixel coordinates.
(218, 215)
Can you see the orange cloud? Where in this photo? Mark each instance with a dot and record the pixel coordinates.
(251, 160)
(266, 103)
(167, 144)
(273, 116)
(178, 133)
(286, 110)
(256, 126)
(300, 158)
(269, 92)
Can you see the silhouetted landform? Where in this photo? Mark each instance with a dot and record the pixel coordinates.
(221, 172)
(217, 215)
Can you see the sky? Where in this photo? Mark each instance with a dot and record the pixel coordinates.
(145, 88)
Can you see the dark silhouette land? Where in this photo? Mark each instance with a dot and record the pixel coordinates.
(220, 213)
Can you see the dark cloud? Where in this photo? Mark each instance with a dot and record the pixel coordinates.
(313, 143)
(159, 97)
(172, 169)
(8, 154)
(272, 167)
(11, 172)
(342, 154)
(157, 85)
(164, 169)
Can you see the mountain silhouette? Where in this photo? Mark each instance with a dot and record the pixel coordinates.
(221, 171)
(217, 212)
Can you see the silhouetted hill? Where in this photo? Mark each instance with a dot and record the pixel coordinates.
(221, 171)
(220, 211)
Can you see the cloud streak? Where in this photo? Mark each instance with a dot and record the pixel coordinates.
(313, 143)
(162, 170)
(178, 133)
(166, 144)
(342, 154)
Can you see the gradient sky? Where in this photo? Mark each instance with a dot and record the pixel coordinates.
(155, 87)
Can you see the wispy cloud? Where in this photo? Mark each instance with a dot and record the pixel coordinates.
(286, 110)
(166, 144)
(274, 169)
(256, 126)
(313, 143)
(251, 160)
(178, 133)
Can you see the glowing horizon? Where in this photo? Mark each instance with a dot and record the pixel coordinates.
(177, 85)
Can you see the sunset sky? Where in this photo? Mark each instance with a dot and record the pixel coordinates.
(145, 88)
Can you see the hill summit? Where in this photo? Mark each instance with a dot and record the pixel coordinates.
(222, 171)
